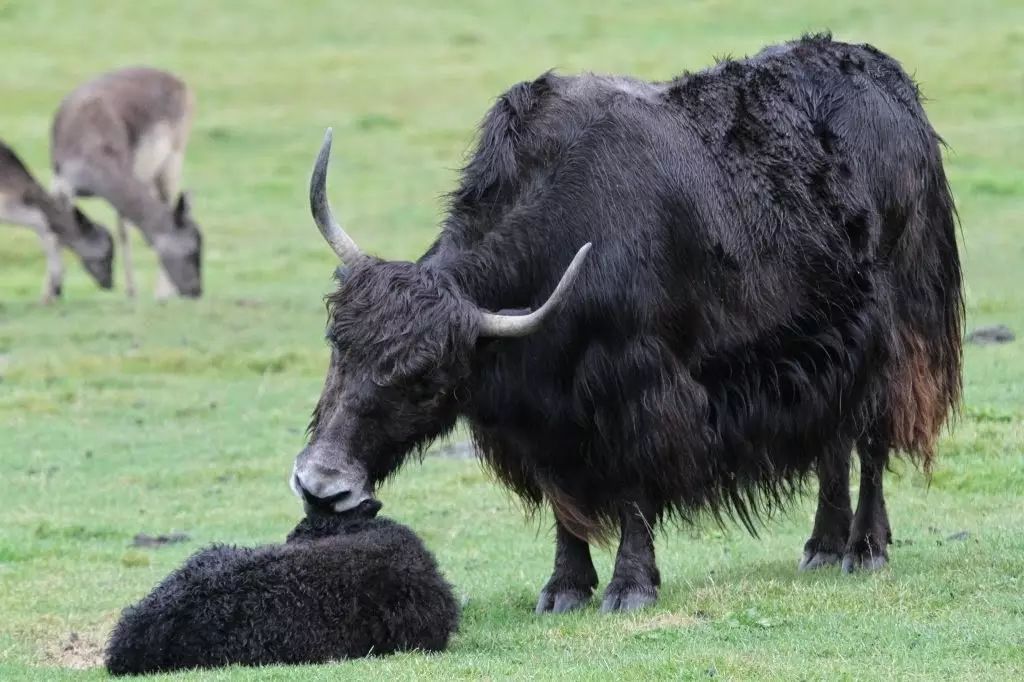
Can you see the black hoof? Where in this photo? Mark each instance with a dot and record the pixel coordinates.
(628, 596)
(562, 600)
(865, 554)
(820, 553)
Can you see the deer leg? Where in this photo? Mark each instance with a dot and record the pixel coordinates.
(168, 180)
(166, 184)
(53, 282)
(573, 581)
(124, 241)
(165, 289)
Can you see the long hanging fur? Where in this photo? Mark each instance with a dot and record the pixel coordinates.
(774, 274)
(775, 271)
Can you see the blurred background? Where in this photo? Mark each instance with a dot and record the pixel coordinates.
(122, 416)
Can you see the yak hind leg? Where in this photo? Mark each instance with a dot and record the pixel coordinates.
(636, 579)
(573, 580)
(831, 529)
(870, 532)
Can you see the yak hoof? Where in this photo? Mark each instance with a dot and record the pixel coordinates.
(561, 600)
(864, 555)
(820, 553)
(814, 560)
(628, 596)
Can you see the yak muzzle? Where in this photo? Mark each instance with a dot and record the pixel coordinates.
(327, 489)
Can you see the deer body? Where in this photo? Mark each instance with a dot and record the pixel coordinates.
(122, 136)
(23, 201)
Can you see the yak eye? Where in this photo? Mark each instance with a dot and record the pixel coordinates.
(421, 388)
(334, 340)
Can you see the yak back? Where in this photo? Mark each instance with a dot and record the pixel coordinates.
(735, 317)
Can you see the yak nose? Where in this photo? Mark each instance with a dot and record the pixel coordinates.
(323, 503)
(327, 489)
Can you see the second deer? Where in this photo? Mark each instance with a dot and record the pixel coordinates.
(23, 201)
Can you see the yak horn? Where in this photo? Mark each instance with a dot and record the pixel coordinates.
(493, 325)
(330, 228)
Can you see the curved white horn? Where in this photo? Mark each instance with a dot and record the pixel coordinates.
(493, 325)
(332, 231)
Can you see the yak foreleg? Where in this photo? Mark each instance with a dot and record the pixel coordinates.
(832, 520)
(573, 581)
(636, 579)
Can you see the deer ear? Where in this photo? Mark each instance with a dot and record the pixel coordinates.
(84, 224)
(182, 210)
(63, 202)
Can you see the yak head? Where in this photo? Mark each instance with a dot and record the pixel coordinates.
(402, 338)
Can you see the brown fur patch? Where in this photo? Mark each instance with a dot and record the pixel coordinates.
(576, 521)
(921, 396)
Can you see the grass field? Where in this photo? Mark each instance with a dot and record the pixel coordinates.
(118, 416)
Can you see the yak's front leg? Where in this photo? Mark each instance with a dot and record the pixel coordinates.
(636, 579)
(573, 581)
(832, 520)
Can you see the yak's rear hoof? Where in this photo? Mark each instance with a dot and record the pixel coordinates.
(628, 596)
(562, 600)
(820, 553)
(864, 554)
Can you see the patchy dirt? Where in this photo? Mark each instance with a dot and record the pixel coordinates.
(663, 621)
(997, 333)
(75, 651)
(144, 540)
(464, 450)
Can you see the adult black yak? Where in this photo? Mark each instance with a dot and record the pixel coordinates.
(774, 279)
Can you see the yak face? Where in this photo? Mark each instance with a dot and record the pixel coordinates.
(402, 337)
(401, 342)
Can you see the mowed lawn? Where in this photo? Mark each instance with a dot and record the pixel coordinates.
(119, 417)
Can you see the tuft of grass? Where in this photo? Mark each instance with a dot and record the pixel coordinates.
(134, 559)
(119, 417)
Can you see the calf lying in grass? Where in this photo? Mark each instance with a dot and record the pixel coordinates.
(342, 586)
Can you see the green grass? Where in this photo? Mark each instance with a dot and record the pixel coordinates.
(118, 417)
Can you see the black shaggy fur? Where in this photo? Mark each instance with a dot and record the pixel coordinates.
(774, 279)
(341, 587)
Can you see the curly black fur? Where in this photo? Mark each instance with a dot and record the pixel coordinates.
(342, 586)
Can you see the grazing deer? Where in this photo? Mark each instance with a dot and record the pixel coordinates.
(122, 136)
(23, 201)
